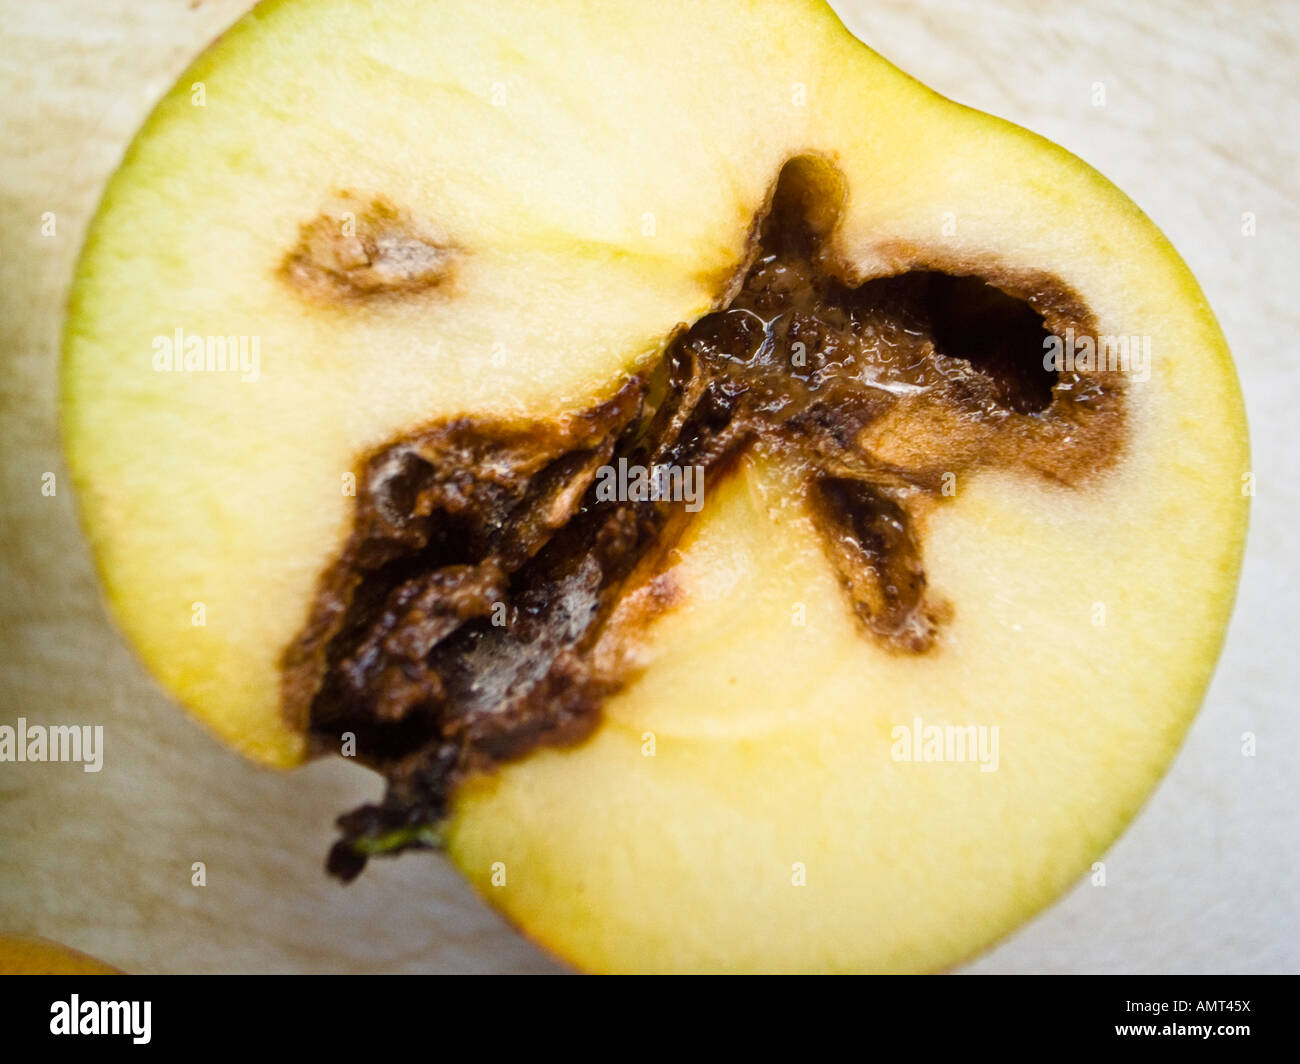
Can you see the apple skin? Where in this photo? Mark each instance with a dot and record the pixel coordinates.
(21, 955)
(772, 741)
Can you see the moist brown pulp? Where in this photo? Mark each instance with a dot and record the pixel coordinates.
(488, 595)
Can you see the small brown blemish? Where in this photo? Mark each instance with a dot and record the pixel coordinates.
(356, 250)
(871, 542)
(490, 598)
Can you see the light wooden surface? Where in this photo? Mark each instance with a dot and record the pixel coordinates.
(1199, 126)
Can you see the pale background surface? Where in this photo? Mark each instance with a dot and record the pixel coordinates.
(1200, 125)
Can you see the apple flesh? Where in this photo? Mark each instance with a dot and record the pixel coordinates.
(501, 216)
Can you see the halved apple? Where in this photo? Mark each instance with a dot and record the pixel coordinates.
(387, 344)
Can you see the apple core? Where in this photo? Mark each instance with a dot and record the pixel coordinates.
(480, 608)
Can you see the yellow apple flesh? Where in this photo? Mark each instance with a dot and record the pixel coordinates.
(597, 170)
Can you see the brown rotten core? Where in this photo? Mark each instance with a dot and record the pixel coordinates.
(487, 598)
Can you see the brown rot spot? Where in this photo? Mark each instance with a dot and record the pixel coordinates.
(495, 585)
(361, 250)
(871, 543)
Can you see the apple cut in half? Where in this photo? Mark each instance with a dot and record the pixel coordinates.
(757, 513)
